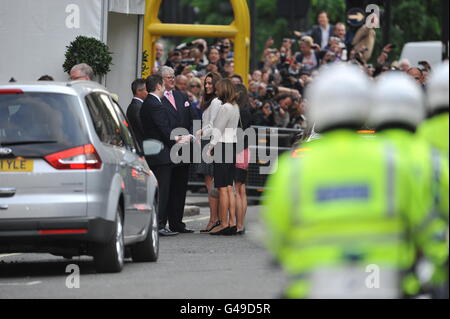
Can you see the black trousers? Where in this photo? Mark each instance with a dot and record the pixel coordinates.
(172, 184)
(177, 201)
(163, 174)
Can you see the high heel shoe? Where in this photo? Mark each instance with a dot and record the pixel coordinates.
(241, 232)
(212, 227)
(231, 231)
(221, 232)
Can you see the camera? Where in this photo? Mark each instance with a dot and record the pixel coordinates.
(258, 104)
(271, 92)
(187, 61)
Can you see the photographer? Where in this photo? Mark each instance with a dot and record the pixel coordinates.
(286, 49)
(215, 63)
(225, 48)
(298, 120)
(264, 116)
(185, 66)
(338, 48)
(310, 55)
(281, 110)
(174, 59)
(291, 76)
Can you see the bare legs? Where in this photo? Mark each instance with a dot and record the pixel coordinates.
(227, 208)
(213, 202)
(241, 205)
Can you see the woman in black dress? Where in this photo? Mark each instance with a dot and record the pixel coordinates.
(210, 107)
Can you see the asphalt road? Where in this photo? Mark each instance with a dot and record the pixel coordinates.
(190, 266)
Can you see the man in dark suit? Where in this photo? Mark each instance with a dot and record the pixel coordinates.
(180, 110)
(140, 92)
(157, 124)
(321, 33)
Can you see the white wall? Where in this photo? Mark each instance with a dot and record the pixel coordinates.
(122, 39)
(34, 35)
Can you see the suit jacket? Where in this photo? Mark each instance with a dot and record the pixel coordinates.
(316, 34)
(158, 123)
(184, 114)
(134, 118)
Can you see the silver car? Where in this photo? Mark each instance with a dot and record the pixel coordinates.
(73, 180)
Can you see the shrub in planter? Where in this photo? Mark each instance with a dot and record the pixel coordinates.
(90, 51)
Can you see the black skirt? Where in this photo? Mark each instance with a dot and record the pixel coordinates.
(203, 168)
(240, 175)
(224, 164)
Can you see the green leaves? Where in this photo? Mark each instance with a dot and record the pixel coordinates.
(336, 10)
(90, 51)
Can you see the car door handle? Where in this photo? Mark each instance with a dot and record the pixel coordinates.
(7, 192)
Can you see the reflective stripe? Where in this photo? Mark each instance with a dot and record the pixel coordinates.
(435, 190)
(390, 178)
(347, 227)
(343, 241)
(436, 161)
(295, 191)
(390, 251)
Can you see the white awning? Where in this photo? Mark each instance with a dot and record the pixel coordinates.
(127, 6)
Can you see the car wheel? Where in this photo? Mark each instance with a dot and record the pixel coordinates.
(148, 250)
(109, 257)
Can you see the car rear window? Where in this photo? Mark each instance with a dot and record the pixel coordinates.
(38, 124)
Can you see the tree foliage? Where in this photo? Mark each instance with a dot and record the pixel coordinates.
(412, 20)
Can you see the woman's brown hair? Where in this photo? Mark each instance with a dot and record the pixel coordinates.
(207, 98)
(226, 92)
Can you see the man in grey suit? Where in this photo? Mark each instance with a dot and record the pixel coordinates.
(140, 93)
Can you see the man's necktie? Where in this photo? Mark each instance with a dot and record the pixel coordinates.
(171, 99)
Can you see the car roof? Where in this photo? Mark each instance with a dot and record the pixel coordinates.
(80, 88)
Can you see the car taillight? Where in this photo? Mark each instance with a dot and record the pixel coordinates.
(11, 91)
(83, 157)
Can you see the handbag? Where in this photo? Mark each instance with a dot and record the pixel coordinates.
(243, 157)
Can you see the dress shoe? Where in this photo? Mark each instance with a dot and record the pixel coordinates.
(166, 232)
(185, 231)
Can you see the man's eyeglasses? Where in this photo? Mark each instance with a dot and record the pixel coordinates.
(169, 77)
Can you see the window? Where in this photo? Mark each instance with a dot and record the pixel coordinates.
(47, 117)
(105, 120)
(126, 129)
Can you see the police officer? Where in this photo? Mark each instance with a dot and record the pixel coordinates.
(338, 218)
(398, 110)
(435, 129)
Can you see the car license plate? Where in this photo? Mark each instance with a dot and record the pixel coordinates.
(16, 165)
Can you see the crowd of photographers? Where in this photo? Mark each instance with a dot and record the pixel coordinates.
(277, 86)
